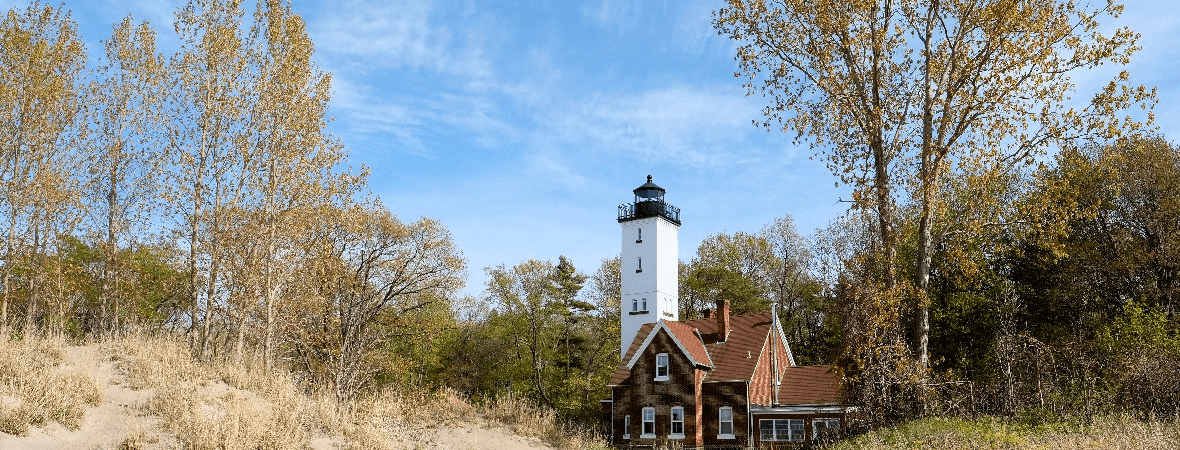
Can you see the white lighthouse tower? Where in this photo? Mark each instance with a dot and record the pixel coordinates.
(648, 261)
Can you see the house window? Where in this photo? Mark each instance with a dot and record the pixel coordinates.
(639, 268)
(635, 304)
(626, 427)
(644, 304)
(781, 430)
(649, 423)
(639, 237)
(725, 423)
(677, 430)
(662, 367)
(824, 426)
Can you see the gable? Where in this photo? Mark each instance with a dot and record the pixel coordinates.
(686, 339)
(762, 387)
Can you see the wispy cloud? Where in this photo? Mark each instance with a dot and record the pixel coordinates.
(376, 35)
(615, 15)
(694, 25)
(682, 125)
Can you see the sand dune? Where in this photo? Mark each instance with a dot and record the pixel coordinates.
(123, 418)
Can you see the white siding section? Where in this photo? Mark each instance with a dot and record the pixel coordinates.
(656, 281)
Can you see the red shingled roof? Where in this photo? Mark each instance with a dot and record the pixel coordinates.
(687, 336)
(809, 385)
(732, 360)
(737, 357)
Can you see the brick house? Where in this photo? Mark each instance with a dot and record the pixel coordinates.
(711, 382)
(718, 382)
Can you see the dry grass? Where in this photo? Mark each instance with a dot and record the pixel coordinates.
(35, 391)
(527, 420)
(231, 406)
(241, 406)
(990, 433)
(218, 406)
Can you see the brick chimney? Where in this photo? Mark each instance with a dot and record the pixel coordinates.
(722, 320)
(707, 313)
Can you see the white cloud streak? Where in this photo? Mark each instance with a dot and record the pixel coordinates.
(681, 125)
(375, 35)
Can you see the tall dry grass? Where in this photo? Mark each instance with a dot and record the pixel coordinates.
(35, 390)
(215, 406)
(221, 405)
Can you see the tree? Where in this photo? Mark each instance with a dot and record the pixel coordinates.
(789, 280)
(735, 268)
(572, 312)
(772, 265)
(42, 56)
(522, 295)
(366, 278)
(605, 291)
(1147, 203)
(900, 96)
(151, 290)
(295, 158)
(123, 157)
(205, 123)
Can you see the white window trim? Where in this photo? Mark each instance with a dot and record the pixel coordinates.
(627, 427)
(672, 423)
(720, 414)
(790, 437)
(644, 422)
(663, 377)
(826, 421)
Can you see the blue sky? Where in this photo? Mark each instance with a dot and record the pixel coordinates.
(521, 126)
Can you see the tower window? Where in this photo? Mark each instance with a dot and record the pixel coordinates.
(640, 266)
(635, 304)
(644, 304)
(639, 236)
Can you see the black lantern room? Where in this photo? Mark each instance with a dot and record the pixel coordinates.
(649, 202)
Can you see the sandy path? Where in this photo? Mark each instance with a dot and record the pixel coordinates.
(114, 421)
(482, 439)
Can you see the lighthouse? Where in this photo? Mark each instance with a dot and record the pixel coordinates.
(648, 261)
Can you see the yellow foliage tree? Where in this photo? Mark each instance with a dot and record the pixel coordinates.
(898, 96)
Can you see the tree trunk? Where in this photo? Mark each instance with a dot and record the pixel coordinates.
(210, 294)
(240, 340)
(927, 179)
(8, 264)
(881, 182)
(193, 292)
(34, 281)
(534, 353)
(105, 295)
(268, 288)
